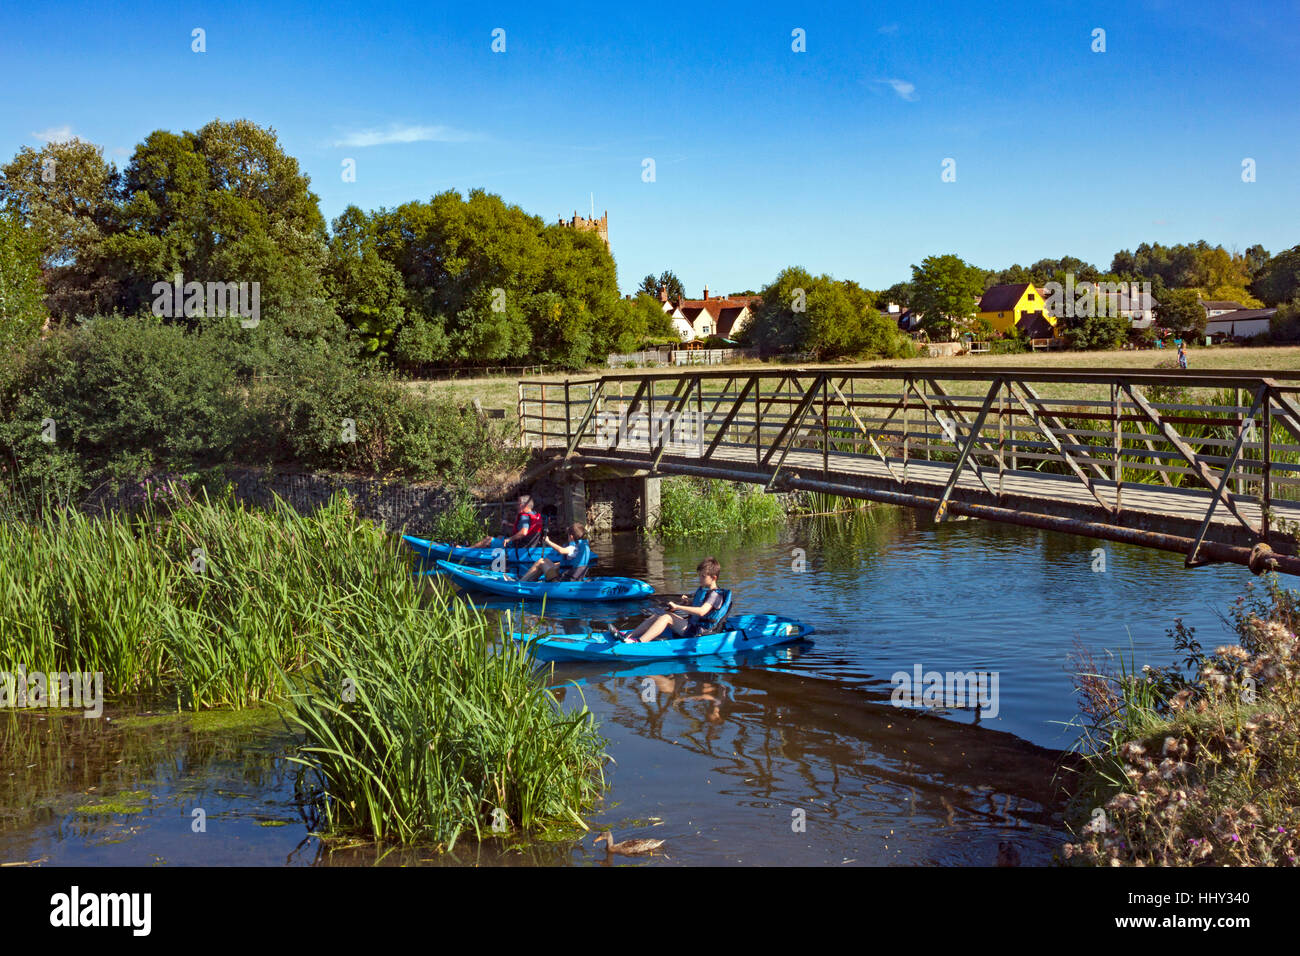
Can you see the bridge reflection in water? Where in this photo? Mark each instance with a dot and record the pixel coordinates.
(1203, 464)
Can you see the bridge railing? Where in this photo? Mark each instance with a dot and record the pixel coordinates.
(1233, 434)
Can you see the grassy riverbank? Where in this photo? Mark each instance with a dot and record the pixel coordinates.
(1197, 763)
(417, 722)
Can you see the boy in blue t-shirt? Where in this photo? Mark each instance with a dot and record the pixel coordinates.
(575, 558)
(683, 620)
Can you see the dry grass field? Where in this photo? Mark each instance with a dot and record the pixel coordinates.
(502, 392)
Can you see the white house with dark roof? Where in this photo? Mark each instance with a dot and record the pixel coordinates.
(1140, 309)
(1240, 323)
(699, 318)
(1219, 308)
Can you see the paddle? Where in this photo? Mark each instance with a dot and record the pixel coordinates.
(665, 597)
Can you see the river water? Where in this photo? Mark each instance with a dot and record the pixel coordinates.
(798, 757)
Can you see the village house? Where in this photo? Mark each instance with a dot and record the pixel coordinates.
(1213, 308)
(697, 319)
(1240, 323)
(907, 320)
(1139, 309)
(1003, 306)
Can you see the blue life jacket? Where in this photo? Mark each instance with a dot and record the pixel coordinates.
(700, 625)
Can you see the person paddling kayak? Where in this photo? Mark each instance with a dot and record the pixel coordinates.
(686, 620)
(526, 530)
(575, 558)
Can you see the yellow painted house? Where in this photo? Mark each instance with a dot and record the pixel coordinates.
(1005, 305)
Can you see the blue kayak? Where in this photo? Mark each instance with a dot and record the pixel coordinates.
(514, 557)
(740, 632)
(588, 589)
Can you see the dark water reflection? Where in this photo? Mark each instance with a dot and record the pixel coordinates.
(793, 757)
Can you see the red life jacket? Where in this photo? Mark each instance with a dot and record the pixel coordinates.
(533, 521)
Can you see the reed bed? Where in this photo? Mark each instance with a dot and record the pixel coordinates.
(443, 728)
(417, 734)
(205, 601)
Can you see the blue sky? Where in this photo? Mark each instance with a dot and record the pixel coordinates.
(764, 157)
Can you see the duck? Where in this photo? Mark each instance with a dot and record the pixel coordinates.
(628, 847)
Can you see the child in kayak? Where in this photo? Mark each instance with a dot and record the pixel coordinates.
(575, 558)
(685, 620)
(527, 528)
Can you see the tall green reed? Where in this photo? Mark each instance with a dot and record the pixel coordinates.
(425, 729)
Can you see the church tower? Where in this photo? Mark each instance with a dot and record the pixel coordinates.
(599, 226)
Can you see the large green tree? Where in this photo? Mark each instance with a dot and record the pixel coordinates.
(1279, 280)
(490, 283)
(225, 204)
(66, 194)
(366, 290)
(822, 315)
(1181, 311)
(944, 292)
(22, 306)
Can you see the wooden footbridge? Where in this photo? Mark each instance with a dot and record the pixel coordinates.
(1203, 464)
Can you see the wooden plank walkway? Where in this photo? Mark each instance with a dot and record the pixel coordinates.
(1144, 507)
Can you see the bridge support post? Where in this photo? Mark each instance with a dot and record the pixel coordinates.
(650, 503)
(573, 493)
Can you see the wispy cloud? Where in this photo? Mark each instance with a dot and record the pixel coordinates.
(903, 88)
(405, 134)
(55, 134)
(888, 29)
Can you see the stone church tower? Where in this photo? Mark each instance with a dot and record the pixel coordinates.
(599, 226)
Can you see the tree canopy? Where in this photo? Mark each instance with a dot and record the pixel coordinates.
(944, 289)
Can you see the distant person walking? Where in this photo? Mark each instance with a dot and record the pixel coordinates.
(1182, 356)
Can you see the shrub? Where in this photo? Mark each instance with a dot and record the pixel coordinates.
(1198, 763)
(124, 396)
(132, 396)
(694, 506)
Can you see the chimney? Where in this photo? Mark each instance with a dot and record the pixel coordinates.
(663, 293)
(706, 293)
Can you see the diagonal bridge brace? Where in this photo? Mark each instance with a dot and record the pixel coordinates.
(596, 394)
(959, 418)
(800, 412)
(1190, 561)
(941, 512)
(1203, 470)
(1046, 432)
(863, 428)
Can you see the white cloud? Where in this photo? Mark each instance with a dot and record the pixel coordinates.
(888, 28)
(903, 88)
(404, 134)
(55, 134)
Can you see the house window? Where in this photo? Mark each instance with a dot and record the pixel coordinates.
(706, 329)
(1031, 297)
